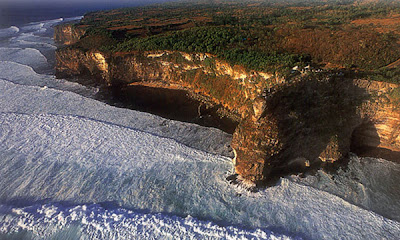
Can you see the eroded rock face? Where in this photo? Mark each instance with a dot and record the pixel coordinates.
(68, 34)
(73, 62)
(259, 106)
(316, 120)
(379, 135)
(255, 143)
(285, 126)
(303, 122)
(229, 86)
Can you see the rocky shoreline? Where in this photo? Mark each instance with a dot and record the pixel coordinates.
(285, 126)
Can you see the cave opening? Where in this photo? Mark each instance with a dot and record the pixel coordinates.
(175, 104)
(366, 142)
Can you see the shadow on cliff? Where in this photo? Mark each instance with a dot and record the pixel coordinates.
(172, 104)
(367, 143)
(315, 117)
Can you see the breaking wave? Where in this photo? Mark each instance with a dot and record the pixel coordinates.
(73, 167)
(8, 32)
(94, 222)
(367, 182)
(26, 56)
(67, 158)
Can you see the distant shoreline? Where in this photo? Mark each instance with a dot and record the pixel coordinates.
(17, 14)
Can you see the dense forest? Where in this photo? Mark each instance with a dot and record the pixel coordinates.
(260, 35)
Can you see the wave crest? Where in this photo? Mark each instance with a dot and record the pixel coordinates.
(9, 32)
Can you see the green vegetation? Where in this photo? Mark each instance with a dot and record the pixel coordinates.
(226, 43)
(198, 39)
(395, 97)
(265, 35)
(385, 75)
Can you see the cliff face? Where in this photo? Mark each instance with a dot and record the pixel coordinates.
(68, 34)
(231, 86)
(314, 121)
(73, 61)
(285, 126)
(379, 134)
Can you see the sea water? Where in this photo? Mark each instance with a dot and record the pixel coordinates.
(76, 168)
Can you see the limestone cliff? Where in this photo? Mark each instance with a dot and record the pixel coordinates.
(316, 120)
(286, 126)
(68, 33)
(231, 86)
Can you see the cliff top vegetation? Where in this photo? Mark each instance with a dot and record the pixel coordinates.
(260, 35)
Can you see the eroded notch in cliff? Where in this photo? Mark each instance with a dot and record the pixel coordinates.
(367, 142)
(173, 104)
(306, 123)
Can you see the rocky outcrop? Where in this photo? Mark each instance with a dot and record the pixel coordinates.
(68, 34)
(379, 134)
(285, 126)
(230, 86)
(316, 120)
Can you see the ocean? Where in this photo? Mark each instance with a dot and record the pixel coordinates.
(73, 167)
(16, 13)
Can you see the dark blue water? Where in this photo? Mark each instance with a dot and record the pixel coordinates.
(16, 14)
(47, 154)
(172, 104)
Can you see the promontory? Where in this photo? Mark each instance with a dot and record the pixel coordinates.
(308, 82)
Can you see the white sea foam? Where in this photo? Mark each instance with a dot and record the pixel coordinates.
(25, 75)
(56, 145)
(95, 222)
(367, 182)
(8, 32)
(72, 19)
(32, 38)
(33, 27)
(40, 27)
(78, 160)
(36, 100)
(50, 22)
(37, 36)
(28, 56)
(32, 44)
